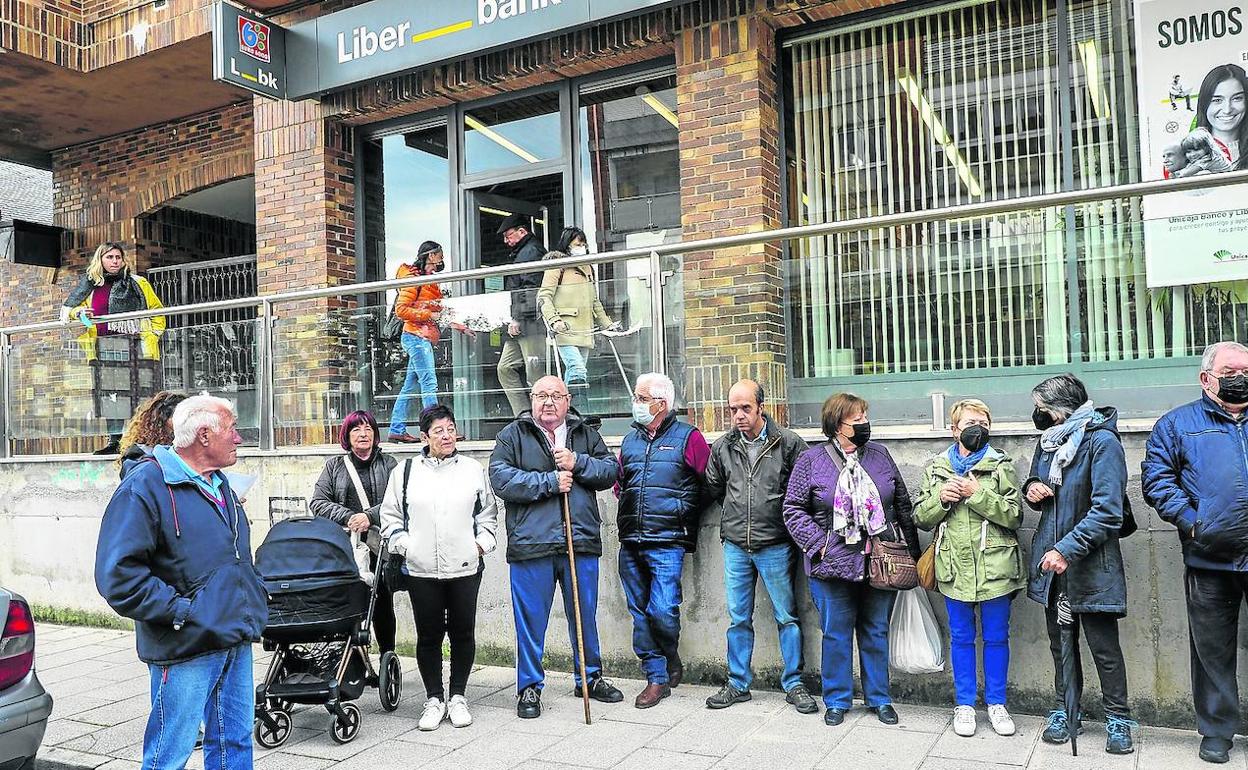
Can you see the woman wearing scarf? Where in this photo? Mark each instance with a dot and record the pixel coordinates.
(840, 494)
(969, 495)
(1078, 482)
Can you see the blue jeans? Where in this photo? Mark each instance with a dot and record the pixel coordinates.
(994, 620)
(741, 572)
(651, 577)
(421, 378)
(847, 610)
(574, 368)
(214, 689)
(533, 593)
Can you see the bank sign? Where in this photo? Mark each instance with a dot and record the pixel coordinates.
(248, 51)
(386, 37)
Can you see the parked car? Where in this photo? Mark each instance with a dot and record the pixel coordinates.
(24, 705)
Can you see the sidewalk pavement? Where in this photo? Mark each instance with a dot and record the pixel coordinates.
(101, 694)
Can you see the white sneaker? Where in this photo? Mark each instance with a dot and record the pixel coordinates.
(458, 711)
(1002, 722)
(432, 715)
(964, 721)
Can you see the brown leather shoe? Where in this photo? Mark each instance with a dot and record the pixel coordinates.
(652, 695)
(675, 673)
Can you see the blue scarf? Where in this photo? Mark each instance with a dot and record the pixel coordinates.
(962, 465)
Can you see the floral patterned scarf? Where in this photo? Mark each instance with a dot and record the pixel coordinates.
(856, 503)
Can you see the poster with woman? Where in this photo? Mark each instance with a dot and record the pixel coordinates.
(1192, 86)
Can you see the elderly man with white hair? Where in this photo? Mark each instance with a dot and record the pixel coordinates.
(174, 556)
(661, 490)
(1195, 473)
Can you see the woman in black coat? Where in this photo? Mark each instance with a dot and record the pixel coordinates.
(336, 498)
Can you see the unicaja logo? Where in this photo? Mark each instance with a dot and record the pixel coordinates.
(1224, 255)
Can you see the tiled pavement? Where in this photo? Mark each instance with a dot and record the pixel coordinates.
(101, 698)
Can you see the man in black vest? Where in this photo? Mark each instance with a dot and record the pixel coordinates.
(525, 345)
(662, 471)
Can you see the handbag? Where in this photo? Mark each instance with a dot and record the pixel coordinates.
(926, 565)
(361, 546)
(890, 567)
(391, 564)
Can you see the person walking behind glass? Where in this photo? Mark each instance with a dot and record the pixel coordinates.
(1195, 473)
(523, 358)
(1078, 482)
(440, 515)
(969, 495)
(747, 475)
(364, 470)
(419, 307)
(840, 494)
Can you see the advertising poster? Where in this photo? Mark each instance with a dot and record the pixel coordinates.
(1191, 60)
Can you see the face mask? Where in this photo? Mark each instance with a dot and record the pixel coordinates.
(862, 434)
(974, 438)
(1042, 419)
(1233, 390)
(642, 415)
(579, 251)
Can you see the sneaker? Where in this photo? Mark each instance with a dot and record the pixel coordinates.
(1058, 730)
(601, 690)
(458, 712)
(1118, 734)
(529, 706)
(727, 696)
(432, 715)
(964, 721)
(1002, 722)
(800, 698)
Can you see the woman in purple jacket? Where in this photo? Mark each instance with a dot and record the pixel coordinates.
(841, 493)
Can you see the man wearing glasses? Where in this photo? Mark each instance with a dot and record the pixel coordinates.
(522, 359)
(661, 491)
(1194, 473)
(542, 455)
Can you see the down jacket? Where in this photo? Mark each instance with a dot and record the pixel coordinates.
(522, 473)
(1195, 473)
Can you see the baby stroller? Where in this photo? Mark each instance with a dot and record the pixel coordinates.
(320, 612)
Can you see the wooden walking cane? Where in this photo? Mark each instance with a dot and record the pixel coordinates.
(576, 605)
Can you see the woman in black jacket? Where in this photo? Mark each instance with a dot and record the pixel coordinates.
(337, 498)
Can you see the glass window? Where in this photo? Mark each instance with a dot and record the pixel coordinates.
(406, 197)
(514, 133)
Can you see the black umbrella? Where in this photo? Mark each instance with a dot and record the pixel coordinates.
(1067, 621)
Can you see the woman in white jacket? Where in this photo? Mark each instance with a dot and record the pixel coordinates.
(442, 533)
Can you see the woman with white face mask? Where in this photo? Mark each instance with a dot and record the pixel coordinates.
(568, 302)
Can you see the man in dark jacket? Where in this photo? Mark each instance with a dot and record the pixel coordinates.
(540, 457)
(1195, 473)
(661, 491)
(525, 347)
(747, 475)
(174, 555)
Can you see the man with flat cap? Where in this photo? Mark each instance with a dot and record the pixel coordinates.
(525, 345)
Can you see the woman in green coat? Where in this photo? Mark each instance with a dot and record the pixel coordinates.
(970, 496)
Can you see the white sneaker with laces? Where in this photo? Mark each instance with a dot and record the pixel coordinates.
(964, 721)
(432, 715)
(1002, 722)
(459, 714)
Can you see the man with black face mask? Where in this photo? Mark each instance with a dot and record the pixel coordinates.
(1195, 472)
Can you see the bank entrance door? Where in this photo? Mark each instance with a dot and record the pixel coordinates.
(481, 405)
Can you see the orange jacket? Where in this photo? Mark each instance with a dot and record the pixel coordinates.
(418, 306)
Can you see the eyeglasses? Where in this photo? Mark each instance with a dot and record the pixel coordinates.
(553, 398)
(644, 399)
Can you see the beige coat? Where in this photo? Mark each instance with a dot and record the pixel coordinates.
(570, 295)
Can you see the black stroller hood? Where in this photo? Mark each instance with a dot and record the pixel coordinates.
(305, 553)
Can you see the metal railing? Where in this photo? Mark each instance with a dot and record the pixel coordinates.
(265, 306)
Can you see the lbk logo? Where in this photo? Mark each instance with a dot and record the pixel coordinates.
(253, 39)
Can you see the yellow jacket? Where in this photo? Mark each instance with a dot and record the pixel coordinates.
(150, 329)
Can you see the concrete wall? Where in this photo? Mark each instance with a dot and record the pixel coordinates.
(50, 512)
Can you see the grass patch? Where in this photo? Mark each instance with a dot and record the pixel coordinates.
(64, 616)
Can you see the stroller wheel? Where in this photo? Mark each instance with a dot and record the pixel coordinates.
(346, 733)
(273, 729)
(390, 681)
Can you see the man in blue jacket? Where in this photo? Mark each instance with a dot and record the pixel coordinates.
(1195, 473)
(662, 479)
(544, 454)
(174, 556)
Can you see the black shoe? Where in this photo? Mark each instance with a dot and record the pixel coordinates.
(887, 714)
(199, 742)
(601, 690)
(592, 421)
(727, 696)
(529, 706)
(833, 717)
(675, 674)
(800, 698)
(113, 447)
(1216, 750)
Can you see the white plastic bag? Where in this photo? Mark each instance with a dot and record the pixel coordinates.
(914, 645)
